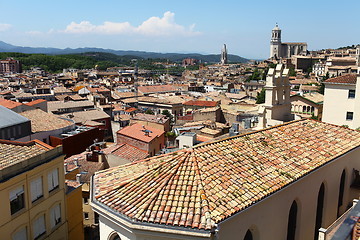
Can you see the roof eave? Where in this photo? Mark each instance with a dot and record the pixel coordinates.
(122, 219)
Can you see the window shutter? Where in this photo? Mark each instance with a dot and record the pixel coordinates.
(20, 235)
(53, 179)
(56, 177)
(16, 192)
(36, 189)
(55, 215)
(39, 226)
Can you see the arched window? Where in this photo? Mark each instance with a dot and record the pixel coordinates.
(114, 236)
(291, 230)
(341, 192)
(319, 211)
(304, 109)
(248, 235)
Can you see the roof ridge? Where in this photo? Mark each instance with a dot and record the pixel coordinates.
(205, 221)
(166, 180)
(252, 132)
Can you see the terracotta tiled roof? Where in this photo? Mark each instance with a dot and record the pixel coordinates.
(98, 89)
(56, 105)
(9, 104)
(71, 185)
(348, 78)
(83, 116)
(156, 88)
(204, 185)
(12, 152)
(130, 110)
(88, 168)
(159, 118)
(42, 121)
(32, 103)
(201, 103)
(128, 152)
(137, 131)
(356, 231)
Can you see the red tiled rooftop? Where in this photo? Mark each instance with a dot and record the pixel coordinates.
(32, 103)
(345, 79)
(9, 104)
(127, 151)
(156, 88)
(87, 167)
(204, 185)
(13, 152)
(201, 103)
(137, 131)
(98, 89)
(130, 110)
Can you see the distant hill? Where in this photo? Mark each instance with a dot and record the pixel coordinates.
(176, 57)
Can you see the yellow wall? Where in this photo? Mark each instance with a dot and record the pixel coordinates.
(75, 214)
(9, 224)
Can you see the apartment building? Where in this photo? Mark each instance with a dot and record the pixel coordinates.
(341, 101)
(32, 191)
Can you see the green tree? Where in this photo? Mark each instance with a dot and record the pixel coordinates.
(292, 72)
(261, 97)
(168, 115)
(149, 111)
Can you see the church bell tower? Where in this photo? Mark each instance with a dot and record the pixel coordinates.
(275, 43)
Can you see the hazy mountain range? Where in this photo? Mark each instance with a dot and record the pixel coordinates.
(213, 58)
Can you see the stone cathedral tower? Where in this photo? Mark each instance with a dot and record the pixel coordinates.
(275, 43)
(224, 57)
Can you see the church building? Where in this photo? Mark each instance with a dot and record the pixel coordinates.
(283, 182)
(284, 50)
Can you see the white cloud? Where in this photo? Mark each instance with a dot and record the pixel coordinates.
(4, 27)
(154, 26)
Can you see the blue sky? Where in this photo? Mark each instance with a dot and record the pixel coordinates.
(179, 26)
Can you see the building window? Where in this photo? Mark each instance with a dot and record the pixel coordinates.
(36, 187)
(20, 235)
(319, 211)
(53, 179)
(351, 94)
(17, 201)
(341, 192)
(349, 116)
(39, 227)
(292, 221)
(55, 216)
(248, 235)
(114, 236)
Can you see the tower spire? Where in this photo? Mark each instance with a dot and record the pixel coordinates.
(224, 57)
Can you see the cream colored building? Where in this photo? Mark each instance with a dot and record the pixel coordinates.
(32, 191)
(307, 105)
(284, 182)
(277, 107)
(341, 99)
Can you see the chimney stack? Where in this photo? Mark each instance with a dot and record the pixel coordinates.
(76, 162)
(78, 176)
